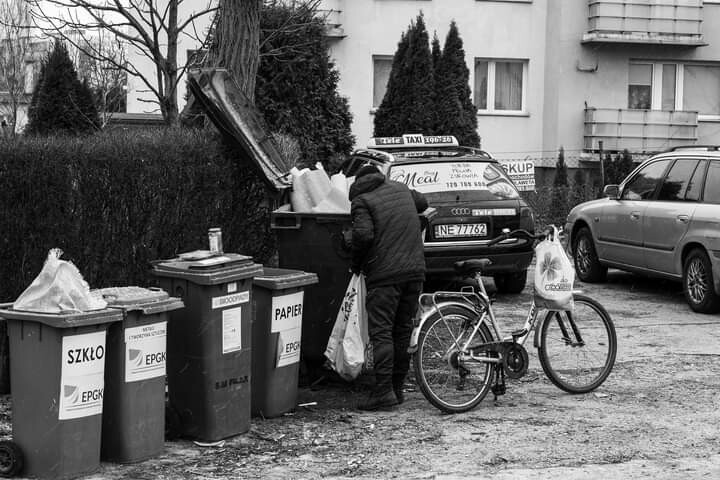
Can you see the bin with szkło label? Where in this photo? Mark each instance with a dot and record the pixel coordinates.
(133, 426)
(57, 364)
(277, 327)
(209, 343)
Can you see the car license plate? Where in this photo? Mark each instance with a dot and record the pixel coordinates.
(452, 230)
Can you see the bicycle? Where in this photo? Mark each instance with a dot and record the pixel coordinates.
(458, 349)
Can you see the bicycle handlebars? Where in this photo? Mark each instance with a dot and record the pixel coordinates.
(522, 233)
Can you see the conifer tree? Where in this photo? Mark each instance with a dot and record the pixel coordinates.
(59, 103)
(457, 115)
(407, 105)
(558, 201)
(296, 86)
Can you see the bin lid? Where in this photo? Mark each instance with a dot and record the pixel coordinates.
(209, 270)
(238, 118)
(283, 278)
(63, 320)
(148, 300)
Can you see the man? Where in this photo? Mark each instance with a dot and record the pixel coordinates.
(387, 247)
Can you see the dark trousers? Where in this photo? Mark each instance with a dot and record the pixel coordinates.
(390, 310)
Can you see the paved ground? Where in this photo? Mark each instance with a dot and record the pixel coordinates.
(657, 416)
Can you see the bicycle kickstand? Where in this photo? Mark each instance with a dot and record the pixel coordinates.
(499, 387)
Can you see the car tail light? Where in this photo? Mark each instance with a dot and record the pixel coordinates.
(527, 219)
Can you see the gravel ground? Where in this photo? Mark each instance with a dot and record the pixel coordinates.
(657, 416)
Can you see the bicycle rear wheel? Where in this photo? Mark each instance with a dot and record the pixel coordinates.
(449, 383)
(577, 349)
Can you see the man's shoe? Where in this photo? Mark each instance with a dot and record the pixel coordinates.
(378, 402)
(400, 395)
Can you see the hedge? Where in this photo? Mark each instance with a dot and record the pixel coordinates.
(116, 201)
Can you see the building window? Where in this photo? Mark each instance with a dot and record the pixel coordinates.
(675, 86)
(701, 90)
(640, 86)
(382, 64)
(500, 85)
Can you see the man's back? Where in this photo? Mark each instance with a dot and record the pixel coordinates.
(387, 239)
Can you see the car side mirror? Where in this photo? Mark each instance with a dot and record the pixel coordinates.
(611, 191)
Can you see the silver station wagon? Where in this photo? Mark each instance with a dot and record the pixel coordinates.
(663, 221)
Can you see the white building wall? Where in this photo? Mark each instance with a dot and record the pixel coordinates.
(489, 29)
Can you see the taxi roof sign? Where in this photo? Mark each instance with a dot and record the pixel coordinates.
(413, 140)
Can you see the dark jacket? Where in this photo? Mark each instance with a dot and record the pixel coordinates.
(386, 234)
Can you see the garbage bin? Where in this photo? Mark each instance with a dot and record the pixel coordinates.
(315, 242)
(277, 326)
(133, 422)
(209, 343)
(57, 364)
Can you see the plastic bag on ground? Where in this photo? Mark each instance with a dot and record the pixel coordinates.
(59, 288)
(348, 341)
(554, 275)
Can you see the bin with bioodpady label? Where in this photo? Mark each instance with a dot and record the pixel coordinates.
(133, 422)
(209, 343)
(57, 367)
(277, 327)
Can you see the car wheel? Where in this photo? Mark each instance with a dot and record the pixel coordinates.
(510, 282)
(698, 283)
(587, 265)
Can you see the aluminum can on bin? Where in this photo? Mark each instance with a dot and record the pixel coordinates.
(215, 240)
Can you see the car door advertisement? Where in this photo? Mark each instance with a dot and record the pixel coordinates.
(287, 323)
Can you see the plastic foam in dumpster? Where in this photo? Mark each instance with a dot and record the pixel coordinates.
(58, 288)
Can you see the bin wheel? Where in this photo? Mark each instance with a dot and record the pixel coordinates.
(11, 459)
(172, 423)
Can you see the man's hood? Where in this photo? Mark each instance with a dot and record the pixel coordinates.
(366, 183)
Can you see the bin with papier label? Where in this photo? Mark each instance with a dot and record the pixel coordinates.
(209, 343)
(57, 374)
(133, 423)
(277, 327)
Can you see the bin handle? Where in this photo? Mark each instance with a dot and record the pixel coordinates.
(297, 221)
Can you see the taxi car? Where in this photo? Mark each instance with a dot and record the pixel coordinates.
(661, 221)
(473, 197)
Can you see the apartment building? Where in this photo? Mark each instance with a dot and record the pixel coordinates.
(642, 75)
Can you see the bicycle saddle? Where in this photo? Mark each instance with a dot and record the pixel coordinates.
(472, 266)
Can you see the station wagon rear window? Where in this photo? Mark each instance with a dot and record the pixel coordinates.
(481, 180)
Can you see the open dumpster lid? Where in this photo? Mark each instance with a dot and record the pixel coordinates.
(235, 116)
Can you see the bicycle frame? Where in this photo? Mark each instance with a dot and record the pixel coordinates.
(463, 299)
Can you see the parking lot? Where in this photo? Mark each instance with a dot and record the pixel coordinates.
(657, 416)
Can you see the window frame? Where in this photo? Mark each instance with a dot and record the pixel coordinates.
(372, 93)
(490, 91)
(656, 86)
(670, 163)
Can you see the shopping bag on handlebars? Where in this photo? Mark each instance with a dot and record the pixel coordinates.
(554, 274)
(348, 341)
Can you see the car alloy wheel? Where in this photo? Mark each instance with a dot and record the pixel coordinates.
(696, 283)
(582, 256)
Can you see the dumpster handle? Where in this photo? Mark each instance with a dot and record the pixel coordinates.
(286, 226)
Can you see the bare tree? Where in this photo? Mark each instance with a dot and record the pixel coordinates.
(238, 39)
(152, 27)
(107, 82)
(15, 50)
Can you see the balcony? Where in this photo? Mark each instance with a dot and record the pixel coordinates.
(638, 130)
(653, 22)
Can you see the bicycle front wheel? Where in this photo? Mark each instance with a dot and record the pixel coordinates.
(450, 383)
(577, 349)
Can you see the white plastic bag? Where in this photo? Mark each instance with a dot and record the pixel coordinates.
(554, 275)
(59, 288)
(345, 350)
